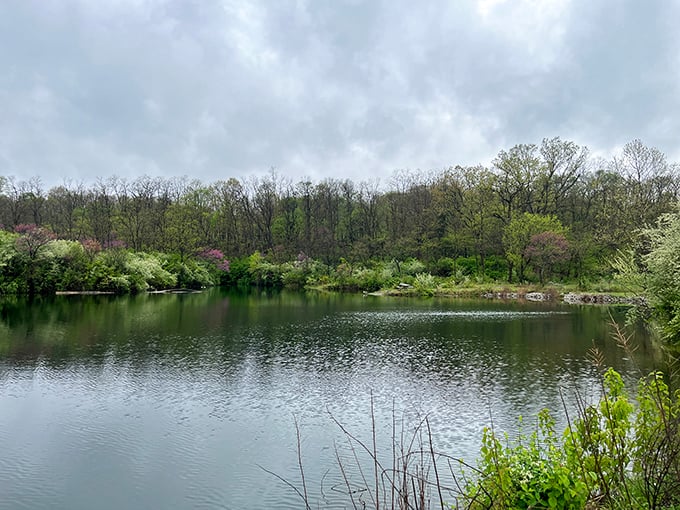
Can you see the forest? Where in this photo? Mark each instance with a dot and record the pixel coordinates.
(541, 212)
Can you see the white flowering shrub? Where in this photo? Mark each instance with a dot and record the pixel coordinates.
(63, 249)
(147, 271)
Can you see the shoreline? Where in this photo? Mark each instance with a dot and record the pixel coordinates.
(109, 293)
(504, 294)
(572, 298)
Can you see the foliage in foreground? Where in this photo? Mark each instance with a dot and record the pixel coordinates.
(617, 453)
(610, 456)
(532, 472)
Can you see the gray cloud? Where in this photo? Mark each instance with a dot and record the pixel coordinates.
(214, 89)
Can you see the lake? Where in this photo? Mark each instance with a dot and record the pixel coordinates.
(192, 400)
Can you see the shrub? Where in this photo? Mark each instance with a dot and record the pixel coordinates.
(467, 265)
(412, 267)
(99, 274)
(344, 277)
(656, 444)
(238, 274)
(445, 266)
(530, 472)
(118, 284)
(597, 445)
(64, 249)
(294, 277)
(65, 267)
(216, 258)
(190, 274)
(425, 284)
(496, 267)
(607, 457)
(369, 279)
(663, 278)
(303, 271)
(7, 249)
(146, 271)
(264, 273)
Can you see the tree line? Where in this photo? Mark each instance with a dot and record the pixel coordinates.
(590, 206)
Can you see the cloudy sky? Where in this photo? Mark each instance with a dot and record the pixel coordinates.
(214, 89)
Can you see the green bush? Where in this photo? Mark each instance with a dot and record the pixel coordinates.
(597, 445)
(425, 284)
(369, 280)
(343, 277)
(190, 274)
(412, 267)
(116, 284)
(656, 444)
(303, 271)
(663, 278)
(146, 271)
(357, 277)
(99, 274)
(264, 273)
(294, 277)
(530, 472)
(467, 265)
(445, 266)
(238, 275)
(7, 249)
(496, 267)
(608, 458)
(66, 266)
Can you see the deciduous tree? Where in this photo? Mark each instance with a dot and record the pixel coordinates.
(517, 237)
(544, 251)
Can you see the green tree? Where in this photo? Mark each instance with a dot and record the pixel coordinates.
(563, 163)
(63, 210)
(480, 210)
(663, 279)
(100, 211)
(517, 173)
(231, 228)
(8, 255)
(648, 182)
(182, 232)
(30, 244)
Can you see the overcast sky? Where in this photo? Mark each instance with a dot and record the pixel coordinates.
(355, 89)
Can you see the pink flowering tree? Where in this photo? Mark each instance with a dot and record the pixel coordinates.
(91, 247)
(545, 251)
(215, 257)
(32, 239)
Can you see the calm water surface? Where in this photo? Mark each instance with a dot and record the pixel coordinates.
(184, 401)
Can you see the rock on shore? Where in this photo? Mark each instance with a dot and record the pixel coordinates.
(604, 299)
(570, 297)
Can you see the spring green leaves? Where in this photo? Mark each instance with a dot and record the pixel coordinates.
(611, 455)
